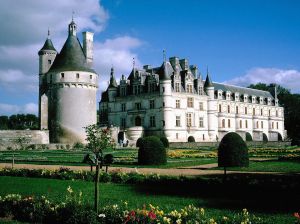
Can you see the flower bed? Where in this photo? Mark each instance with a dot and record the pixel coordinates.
(72, 210)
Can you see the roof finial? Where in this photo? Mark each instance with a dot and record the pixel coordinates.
(206, 69)
(48, 32)
(164, 55)
(133, 62)
(73, 15)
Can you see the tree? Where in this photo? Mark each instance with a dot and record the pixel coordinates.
(98, 140)
(232, 152)
(4, 122)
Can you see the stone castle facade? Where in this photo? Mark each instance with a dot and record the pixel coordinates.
(67, 88)
(173, 100)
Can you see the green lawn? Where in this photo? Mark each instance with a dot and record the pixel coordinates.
(137, 196)
(270, 166)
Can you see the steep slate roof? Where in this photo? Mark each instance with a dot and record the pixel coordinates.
(242, 90)
(208, 82)
(48, 45)
(165, 71)
(71, 57)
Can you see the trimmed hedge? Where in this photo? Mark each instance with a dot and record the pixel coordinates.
(165, 141)
(152, 152)
(233, 151)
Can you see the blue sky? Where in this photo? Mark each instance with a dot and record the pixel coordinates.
(241, 42)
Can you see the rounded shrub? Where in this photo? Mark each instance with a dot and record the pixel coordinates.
(139, 142)
(248, 137)
(191, 139)
(152, 152)
(233, 151)
(165, 141)
(108, 159)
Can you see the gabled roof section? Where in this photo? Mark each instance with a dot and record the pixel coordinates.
(48, 46)
(242, 90)
(71, 57)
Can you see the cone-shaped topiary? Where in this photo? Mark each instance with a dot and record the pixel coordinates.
(152, 152)
(139, 142)
(165, 141)
(233, 151)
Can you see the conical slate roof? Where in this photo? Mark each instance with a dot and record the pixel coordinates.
(208, 82)
(71, 57)
(165, 71)
(48, 45)
(112, 81)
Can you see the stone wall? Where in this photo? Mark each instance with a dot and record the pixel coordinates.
(8, 137)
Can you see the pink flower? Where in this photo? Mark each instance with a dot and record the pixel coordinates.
(152, 215)
(297, 215)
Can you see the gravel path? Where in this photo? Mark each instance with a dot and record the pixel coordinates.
(183, 171)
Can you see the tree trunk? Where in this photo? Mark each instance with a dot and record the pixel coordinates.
(13, 161)
(106, 168)
(97, 187)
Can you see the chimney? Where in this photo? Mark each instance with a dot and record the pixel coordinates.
(88, 47)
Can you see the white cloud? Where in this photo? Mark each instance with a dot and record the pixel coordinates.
(8, 109)
(24, 26)
(289, 79)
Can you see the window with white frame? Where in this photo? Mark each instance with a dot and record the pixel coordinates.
(189, 119)
(190, 102)
(177, 121)
(189, 88)
(123, 107)
(201, 122)
(177, 87)
(201, 106)
(177, 103)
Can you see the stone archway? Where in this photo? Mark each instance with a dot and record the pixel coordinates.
(265, 138)
(138, 121)
(248, 137)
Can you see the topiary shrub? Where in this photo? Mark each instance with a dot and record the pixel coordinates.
(139, 142)
(248, 137)
(165, 141)
(191, 139)
(232, 152)
(152, 152)
(108, 159)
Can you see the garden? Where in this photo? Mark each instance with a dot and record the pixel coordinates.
(266, 191)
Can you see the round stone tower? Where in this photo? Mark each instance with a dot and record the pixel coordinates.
(71, 86)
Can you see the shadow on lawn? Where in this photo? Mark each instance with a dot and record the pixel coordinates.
(260, 193)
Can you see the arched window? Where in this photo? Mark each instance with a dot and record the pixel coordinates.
(223, 123)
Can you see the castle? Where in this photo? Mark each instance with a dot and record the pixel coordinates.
(173, 100)
(67, 88)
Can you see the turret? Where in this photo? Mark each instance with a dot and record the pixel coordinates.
(208, 86)
(165, 72)
(112, 88)
(46, 55)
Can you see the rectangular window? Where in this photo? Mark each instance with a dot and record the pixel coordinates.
(49, 62)
(201, 123)
(62, 75)
(236, 109)
(276, 125)
(123, 122)
(123, 107)
(177, 87)
(138, 106)
(91, 76)
(163, 89)
(77, 75)
(253, 111)
(246, 111)
(189, 120)
(123, 91)
(201, 106)
(190, 88)
(177, 135)
(246, 123)
(152, 121)
(200, 90)
(190, 102)
(151, 104)
(262, 124)
(229, 123)
(177, 103)
(177, 121)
